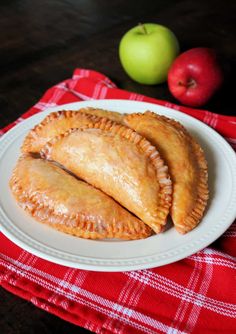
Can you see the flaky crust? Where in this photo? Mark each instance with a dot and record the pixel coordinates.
(59, 122)
(128, 151)
(54, 197)
(189, 198)
(112, 115)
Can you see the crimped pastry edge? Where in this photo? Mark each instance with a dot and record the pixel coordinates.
(195, 216)
(109, 114)
(163, 178)
(78, 224)
(31, 137)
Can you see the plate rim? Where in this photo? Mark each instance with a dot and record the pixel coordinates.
(114, 265)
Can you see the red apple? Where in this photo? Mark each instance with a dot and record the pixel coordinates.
(195, 76)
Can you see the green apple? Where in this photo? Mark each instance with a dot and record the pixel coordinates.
(147, 52)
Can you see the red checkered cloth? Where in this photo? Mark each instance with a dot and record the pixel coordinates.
(194, 295)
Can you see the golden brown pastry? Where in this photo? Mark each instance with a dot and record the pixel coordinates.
(112, 115)
(60, 122)
(54, 197)
(186, 162)
(121, 163)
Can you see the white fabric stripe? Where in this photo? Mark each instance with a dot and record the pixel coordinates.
(194, 314)
(213, 120)
(62, 86)
(68, 294)
(115, 316)
(57, 94)
(86, 73)
(207, 117)
(170, 287)
(29, 259)
(82, 72)
(103, 92)
(79, 280)
(216, 120)
(90, 326)
(109, 83)
(169, 105)
(73, 84)
(77, 76)
(19, 119)
(44, 105)
(183, 306)
(133, 296)
(132, 96)
(136, 96)
(210, 251)
(96, 91)
(129, 295)
(28, 268)
(22, 256)
(230, 234)
(163, 284)
(176, 107)
(63, 283)
(216, 259)
(217, 262)
(52, 98)
(95, 301)
(140, 98)
(122, 298)
(34, 300)
(81, 96)
(144, 279)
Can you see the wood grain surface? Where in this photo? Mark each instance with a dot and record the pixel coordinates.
(42, 42)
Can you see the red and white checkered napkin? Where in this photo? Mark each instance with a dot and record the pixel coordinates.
(195, 295)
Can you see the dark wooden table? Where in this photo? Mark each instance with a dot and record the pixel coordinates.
(41, 42)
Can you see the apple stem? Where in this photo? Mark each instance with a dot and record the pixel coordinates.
(143, 28)
(190, 83)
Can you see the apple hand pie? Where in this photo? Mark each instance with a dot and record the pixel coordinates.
(121, 163)
(186, 162)
(54, 197)
(59, 122)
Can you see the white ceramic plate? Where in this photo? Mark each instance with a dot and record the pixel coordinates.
(115, 255)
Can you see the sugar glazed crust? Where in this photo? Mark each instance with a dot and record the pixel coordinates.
(59, 122)
(112, 115)
(121, 163)
(125, 189)
(186, 162)
(54, 197)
